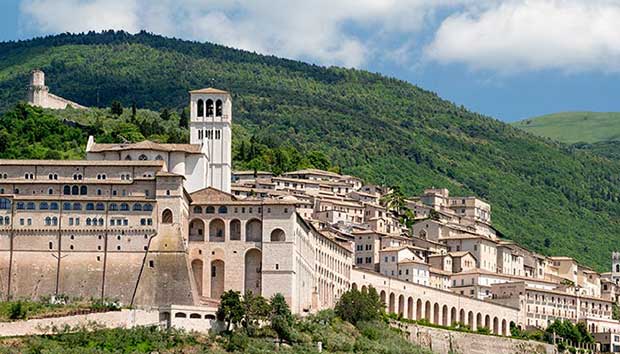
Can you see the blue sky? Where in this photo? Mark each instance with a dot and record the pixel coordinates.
(509, 59)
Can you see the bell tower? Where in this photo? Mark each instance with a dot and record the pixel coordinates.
(210, 127)
(37, 91)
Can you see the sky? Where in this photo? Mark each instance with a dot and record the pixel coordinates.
(509, 59)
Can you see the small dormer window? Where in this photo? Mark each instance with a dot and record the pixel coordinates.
(142, 157)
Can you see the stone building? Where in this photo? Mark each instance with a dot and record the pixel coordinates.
(39, 95)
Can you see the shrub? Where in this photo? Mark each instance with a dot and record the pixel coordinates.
(237, 341)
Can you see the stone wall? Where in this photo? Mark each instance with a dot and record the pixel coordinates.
(114, 319)
(443, 341)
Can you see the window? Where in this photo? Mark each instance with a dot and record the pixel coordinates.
(66, 206)
(197, 210)
(100, 206)
(124, 207)
(222, 210)
(75, 190)
(166, 217)
(54, 221)
(83, 190)
(137, 207)
(50, 191)
(99, 192)
(200, 107)
(218, 108)
(43, 206)
(77, 206)
(53, 206)
(90, 206)
(48, 221)
(147, 207)
(142, 157)
(209, 108)
(66, 190)
(210, 210)
(5, 204)
(113, 207)
(30, 206)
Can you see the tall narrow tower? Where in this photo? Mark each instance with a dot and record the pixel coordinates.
(210, 126)
(615, 267)
(37, 91)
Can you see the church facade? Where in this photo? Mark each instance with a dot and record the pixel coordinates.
(154, 224)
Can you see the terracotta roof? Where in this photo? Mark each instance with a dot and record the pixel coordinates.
(313, 171)
(409, 260)
(210, 195)
(460, 254)
(10, 162)
(210, 90)
(147, 145)
(439, 271)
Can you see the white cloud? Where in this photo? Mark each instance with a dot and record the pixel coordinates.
(318, 30)
(525, 35)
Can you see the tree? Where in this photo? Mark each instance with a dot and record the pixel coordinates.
(184, 119)
(256, 309)
(281, 317)
(615, 311)
(230, 310)
(355, 306)
(134, 111)
(394, 200)
(116, 108)
(164, 114)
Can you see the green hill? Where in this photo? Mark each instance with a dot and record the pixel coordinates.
(574, 127)
(551, 198)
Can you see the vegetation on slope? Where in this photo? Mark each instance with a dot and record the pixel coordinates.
(574, 127)
(546, 196)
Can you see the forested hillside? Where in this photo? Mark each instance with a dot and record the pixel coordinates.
(551, 198)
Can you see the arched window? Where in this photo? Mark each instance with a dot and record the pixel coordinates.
(142, 157)
(53, 206)
(20, 205)
(5, 203)
(50, 191)
(159, 158)
(166, 217)
(54, 221)
(48, 221)
(278, 235)
(42, 206)
(30, 206)
(197, 210)
(75, 190)
(100, 221)
(113, 207)
(147, 207)
(124, 207)
(137, 207)
(83, 190)
(88, 221)
(218, 108)
(66, 190)
(209, 108)
(128, 158)
(210, 210)
(77, 206)
(55, 176)
(90, 206)
(100, 206)
(200, 108)
(222, 210)
(66, 206)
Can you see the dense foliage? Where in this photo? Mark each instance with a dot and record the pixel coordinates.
(358, 306)
(545, 195)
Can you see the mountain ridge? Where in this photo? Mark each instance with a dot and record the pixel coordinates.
(550, 197)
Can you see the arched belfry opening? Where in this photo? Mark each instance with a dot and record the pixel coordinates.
(218, 108)
(209, 108)
(200, 108)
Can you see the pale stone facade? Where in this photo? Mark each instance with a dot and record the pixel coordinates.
(39, 95)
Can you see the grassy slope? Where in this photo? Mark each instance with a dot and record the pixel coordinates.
(381, 129)
(573, 127)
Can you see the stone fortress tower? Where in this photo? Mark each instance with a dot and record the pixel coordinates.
(39, 95)
(210, 126)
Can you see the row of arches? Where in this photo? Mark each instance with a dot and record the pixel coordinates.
(217, 274)
(441, 314)
(218, 229)
(209, 108)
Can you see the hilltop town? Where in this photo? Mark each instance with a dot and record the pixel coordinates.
(172, 226)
